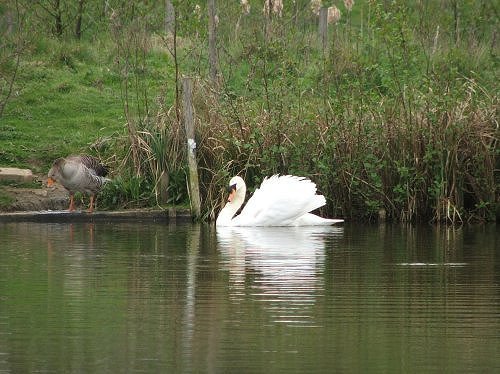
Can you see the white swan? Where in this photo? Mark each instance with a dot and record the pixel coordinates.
(284, 200)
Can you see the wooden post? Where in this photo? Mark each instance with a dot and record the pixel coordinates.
(187, 105)
(323, 28)
(212, 41)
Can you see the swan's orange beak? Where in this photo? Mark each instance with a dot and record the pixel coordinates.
(50, 182)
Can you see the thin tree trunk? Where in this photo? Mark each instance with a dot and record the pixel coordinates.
(267, 18)
(58, 17)
(176, 64)
(456, 18)
(10, 78)
(323, 28)
(78, 27)
(169, 17)
(212, 41)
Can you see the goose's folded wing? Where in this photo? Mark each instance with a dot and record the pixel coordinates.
(91, 163)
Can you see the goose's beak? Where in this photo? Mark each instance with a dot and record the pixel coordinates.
(50, 182)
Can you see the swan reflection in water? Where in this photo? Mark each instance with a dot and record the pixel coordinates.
(284, 265)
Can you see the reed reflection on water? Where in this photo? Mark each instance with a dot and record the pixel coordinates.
(124, 297)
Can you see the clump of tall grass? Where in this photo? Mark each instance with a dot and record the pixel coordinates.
(437, 163)
(154, 174)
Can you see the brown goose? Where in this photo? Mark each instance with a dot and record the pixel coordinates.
(81, 173)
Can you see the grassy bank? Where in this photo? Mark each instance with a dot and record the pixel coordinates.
(65, 100)
(397, 116)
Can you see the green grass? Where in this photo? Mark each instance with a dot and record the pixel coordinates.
(5, 201)
(57, 111)
(67, 96)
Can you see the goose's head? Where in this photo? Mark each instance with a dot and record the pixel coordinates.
(55, 172)
(237, 188)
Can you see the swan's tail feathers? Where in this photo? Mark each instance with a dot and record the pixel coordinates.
(310, 219)
(316, 202)
(333, 221)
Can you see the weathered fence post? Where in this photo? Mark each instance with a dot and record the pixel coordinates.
(187, 106)
(323, 28)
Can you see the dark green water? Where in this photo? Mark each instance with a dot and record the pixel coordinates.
(145, 297)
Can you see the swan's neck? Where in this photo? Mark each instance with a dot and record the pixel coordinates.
(227, 213)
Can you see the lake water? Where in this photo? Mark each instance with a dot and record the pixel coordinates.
(182, 298)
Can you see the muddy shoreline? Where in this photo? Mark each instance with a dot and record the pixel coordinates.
(50, 204)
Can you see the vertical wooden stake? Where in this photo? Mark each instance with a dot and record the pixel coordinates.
(187, 105)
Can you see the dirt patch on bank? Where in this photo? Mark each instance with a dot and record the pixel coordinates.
(33, 199)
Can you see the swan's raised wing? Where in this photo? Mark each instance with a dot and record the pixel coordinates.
(279, 201)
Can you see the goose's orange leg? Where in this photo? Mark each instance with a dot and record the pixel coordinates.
(91, 207)
(71, 203)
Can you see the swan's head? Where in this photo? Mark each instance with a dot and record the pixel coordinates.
(237, 186)
(237, 190)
